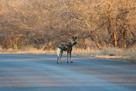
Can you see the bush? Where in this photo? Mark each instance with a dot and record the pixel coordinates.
(15, 47)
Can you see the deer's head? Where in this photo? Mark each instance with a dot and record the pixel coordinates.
(73, 41)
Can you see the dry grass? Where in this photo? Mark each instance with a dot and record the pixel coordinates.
(112, 53)
(28, 50)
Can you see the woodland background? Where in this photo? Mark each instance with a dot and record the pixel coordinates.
(44, 24)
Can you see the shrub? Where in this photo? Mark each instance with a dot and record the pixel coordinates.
(15, 47)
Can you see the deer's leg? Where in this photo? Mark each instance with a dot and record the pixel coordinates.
(70, 58)
(57, 60)
(67, 56)
(61, 56)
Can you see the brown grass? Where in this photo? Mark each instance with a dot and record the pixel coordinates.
(112, 53)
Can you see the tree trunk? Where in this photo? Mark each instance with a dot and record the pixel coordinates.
(115, 39)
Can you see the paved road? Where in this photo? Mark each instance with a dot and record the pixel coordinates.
(41, 73)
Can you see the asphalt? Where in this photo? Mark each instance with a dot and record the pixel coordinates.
(26, 72)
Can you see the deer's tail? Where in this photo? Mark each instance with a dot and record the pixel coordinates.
(58, 51)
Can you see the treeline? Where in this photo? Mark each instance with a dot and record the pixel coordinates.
(47, 23)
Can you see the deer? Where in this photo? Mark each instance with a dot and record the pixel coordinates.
(66, 47)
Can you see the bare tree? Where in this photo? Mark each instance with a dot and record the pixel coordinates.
(46, 23)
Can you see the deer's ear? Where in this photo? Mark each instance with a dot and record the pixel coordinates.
(75, 37)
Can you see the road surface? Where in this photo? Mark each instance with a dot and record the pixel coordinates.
(42, 73)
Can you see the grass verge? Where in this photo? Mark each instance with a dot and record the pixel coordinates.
(112, 53)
